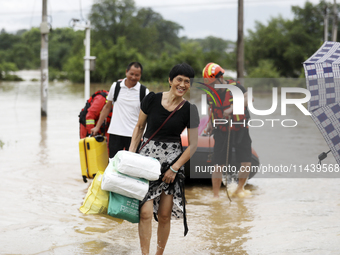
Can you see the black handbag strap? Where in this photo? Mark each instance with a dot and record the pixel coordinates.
(178, 106)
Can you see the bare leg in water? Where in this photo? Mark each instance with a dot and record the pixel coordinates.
(145, 226)
(164, 217)
(216, 180)
(242, 178)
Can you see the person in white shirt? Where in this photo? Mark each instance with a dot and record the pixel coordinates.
(125, 110)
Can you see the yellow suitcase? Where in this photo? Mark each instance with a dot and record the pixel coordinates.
(93, 156)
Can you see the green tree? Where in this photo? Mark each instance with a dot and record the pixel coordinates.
(5, 69)
(73, 61)
(265, 69)
(32, 38)
(167, 34)
(192, 54)
(143, 29)
(111, 18)
(74, 67)
(287, 43)
(60, 45)
(158, 69)
(268, 42)
(7, 40)
(212, 43)
(23, 56)
(22, 49)
(113, 59)
(215, 49)
(310, 17)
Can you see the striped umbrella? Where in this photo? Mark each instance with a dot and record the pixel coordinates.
(322, 71)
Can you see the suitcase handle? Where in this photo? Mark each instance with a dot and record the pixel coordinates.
(99, 138)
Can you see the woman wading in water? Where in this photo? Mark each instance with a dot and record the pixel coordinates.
(165, 198)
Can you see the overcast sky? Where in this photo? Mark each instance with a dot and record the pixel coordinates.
(199, 18)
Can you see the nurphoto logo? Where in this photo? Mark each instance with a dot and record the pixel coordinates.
(239, 103)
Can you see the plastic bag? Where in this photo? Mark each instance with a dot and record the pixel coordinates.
(122, 207)
(123, 184)
(96, 200)
(134, 164)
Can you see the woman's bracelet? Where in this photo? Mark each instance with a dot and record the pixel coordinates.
(173, 170)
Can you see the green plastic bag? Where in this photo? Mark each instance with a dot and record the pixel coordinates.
(123, 207)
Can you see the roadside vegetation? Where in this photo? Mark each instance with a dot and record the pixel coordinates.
(121, 32)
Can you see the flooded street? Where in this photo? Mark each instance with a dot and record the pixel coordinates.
(42, 189)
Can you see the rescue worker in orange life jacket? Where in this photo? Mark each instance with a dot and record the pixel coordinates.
(239, 136)
(91, 112)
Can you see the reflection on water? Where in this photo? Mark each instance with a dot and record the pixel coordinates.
(224, 223)
(42, 189)
(43, 139)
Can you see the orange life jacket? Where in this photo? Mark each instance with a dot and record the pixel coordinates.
(83, 112)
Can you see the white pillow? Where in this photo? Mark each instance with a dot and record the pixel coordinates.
(136, 165)
(123, 184)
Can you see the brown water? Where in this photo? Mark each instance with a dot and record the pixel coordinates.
(41, 190)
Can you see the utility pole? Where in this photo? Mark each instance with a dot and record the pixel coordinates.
(240, 41)
(89, 61)
(44, 30)
(335, 22)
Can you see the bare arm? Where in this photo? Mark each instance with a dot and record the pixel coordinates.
(105, 111)
(138, 131)
(169, 175)
(190, 150)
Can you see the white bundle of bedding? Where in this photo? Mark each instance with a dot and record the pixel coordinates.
(123, 184)
(136, 165)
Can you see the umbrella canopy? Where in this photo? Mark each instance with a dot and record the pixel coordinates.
(322, 72)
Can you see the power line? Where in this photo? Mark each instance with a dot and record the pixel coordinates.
(81, 10)
(233, 2)
(32, 13)
(25, 12)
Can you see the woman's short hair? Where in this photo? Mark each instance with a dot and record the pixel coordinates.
(182, 69)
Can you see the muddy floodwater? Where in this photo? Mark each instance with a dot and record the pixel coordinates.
(41, 188)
